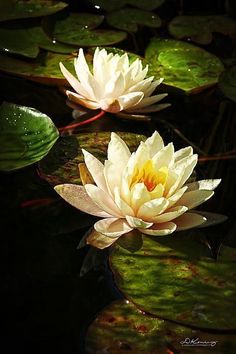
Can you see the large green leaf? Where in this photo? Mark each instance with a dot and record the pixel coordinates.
(183, 65)
(200, 28)
(175, 278)
(27, 41)
(18, 42)
(79, 29)
(14, 9)
(128, 19)
(227, 83)
(118, 4)
(45, 69)
(121, 328)
(61, 164)
(26, 136)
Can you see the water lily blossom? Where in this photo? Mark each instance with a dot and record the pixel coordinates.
(114, 84)
(147, 190)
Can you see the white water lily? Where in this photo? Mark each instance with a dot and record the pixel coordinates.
(114, 84)
(145, 190)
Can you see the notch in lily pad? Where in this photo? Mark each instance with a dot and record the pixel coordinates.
(26, 136)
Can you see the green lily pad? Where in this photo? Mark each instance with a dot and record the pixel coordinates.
(182, 282)
(27, 41)
(44, 69)
(61, 164)
(15, 9)
(121, 328)
(79, 29)
(199, 29)
(227, 83)
(128, 19)
(118, 4)
(26, 136)
(18, 42)
(183, 65)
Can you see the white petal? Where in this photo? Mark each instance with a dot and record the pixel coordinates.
(137, 222)
(171, 214)
(73, 81)
(74, 97)
(130, 99)
(139, 196)
(207, 184)
(148, 101)
(165, 157)
(152, 208)
(176, 196)
(115, 87)
(155, 143)
(153, 86)
(189, 220)
(185, 168)
(103, 200)
(112, 176)
(194, 198)
(118, 152)
(96, 168)
(112, 227)
(78, 197)
(98, 240)
(160, 229)
(142, 85)
(122, 205)
(183, 153)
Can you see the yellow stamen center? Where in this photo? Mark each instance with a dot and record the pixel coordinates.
(149, 176)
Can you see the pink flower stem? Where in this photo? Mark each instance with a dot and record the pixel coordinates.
(72, 126)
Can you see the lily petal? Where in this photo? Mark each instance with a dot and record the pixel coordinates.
(154, 207)
(137, 222)
(207, 184)
(103, 200)
(194, 198)
(171, 214)
(112, 227)
(77, 196)
(98, 240)
(96, 168)
(189, 220)
(163, 229)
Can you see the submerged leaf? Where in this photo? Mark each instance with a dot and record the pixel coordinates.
(128, 19)
(200, 28)
(182, 282)
(183, 65)
(227, 83)
(26, 136)
(14, 9)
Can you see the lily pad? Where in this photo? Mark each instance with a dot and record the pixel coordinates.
(121, 328)
(26, 136)
(79, 29)
(227, 83)
(128, 19)
(183, 65)
(61, 164)
(27, 41)
(18, 42)
(15, 9)
(44, 69)
(182, 282)
(118, 4)
(199, 29)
